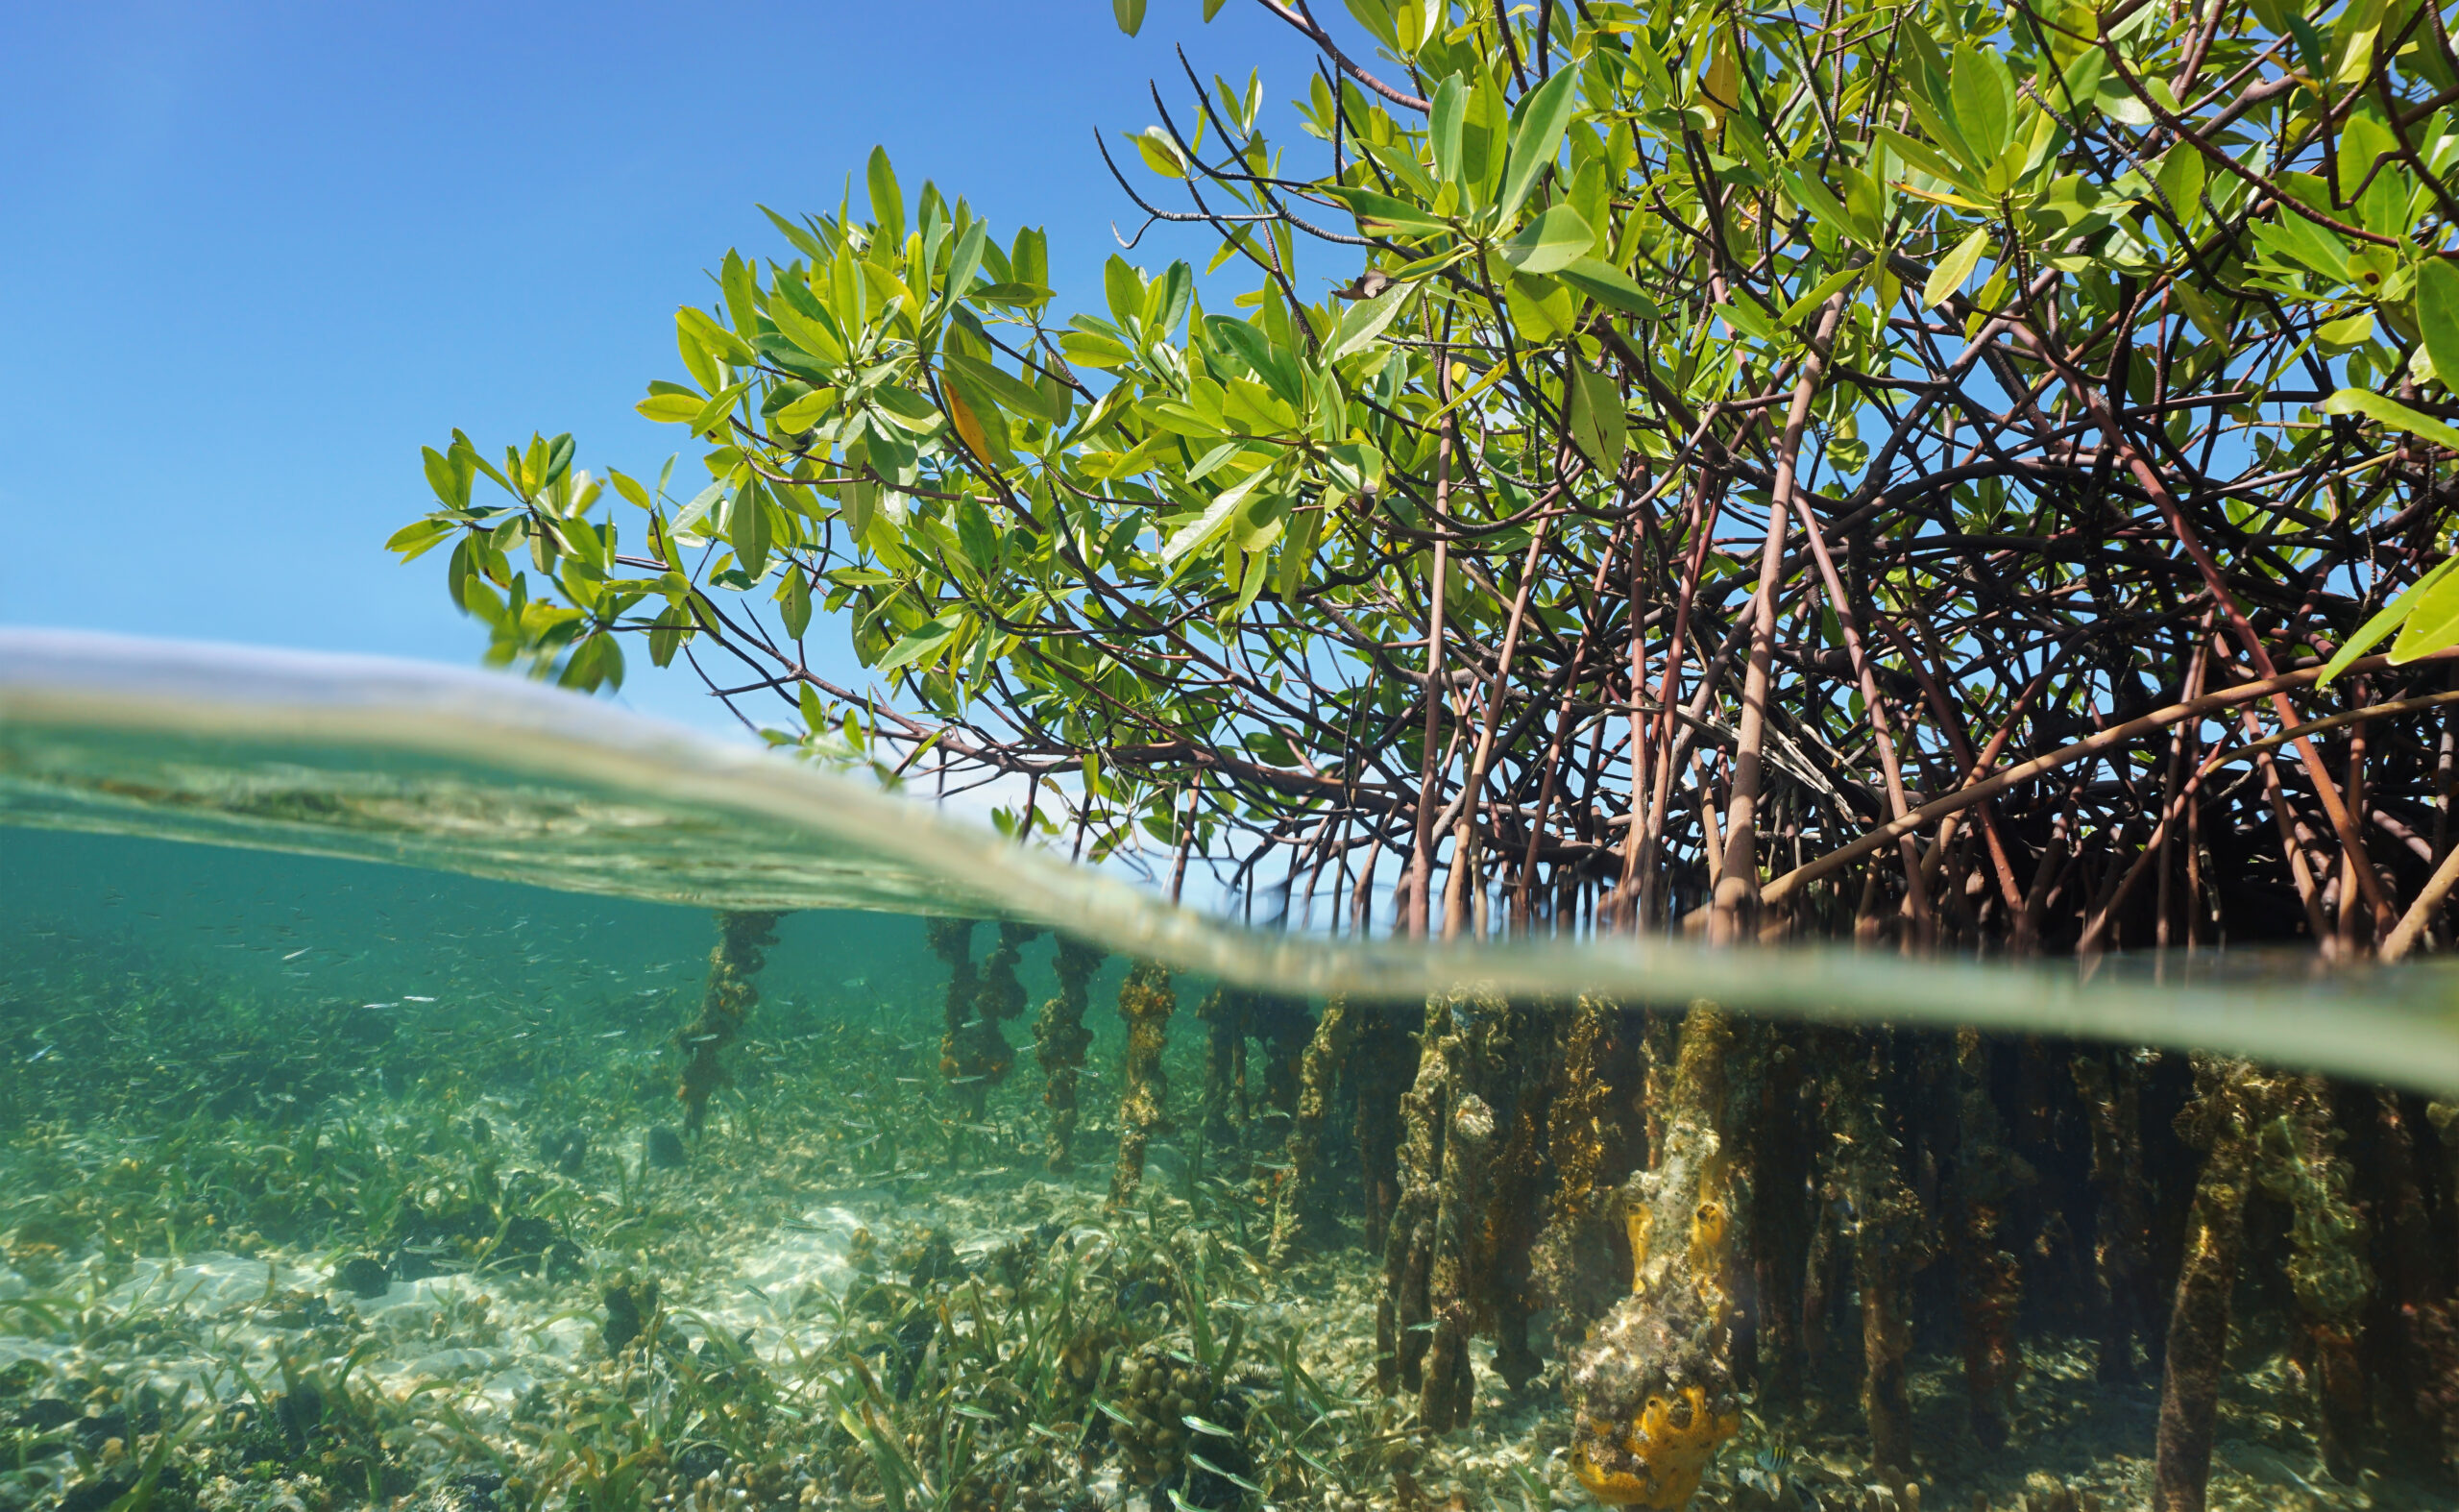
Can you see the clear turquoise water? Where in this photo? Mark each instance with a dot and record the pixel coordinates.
(308, 964)
(489, 777)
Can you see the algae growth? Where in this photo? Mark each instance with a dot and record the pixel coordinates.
(331, 1185)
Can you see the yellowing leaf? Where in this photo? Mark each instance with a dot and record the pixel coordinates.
(1721, 88)
(968, 428)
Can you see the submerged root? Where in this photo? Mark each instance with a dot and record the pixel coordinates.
(1989, 1174)
(1571, 1265)
(1146, 1002)
(1059, 1042)
(1434, 1272)
(1653, 1386)
(2230, 1106)
(1301, 1219)
(2328, 1272)
(725, 1002)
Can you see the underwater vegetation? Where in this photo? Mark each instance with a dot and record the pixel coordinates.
(264, 1248)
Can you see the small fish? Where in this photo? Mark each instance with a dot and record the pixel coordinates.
(615, 1034)
(301, 951)
(413, 997)
(41, 1054)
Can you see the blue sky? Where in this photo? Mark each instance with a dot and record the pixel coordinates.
(257, 255)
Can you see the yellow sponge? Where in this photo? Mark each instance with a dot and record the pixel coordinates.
(1654, 1460)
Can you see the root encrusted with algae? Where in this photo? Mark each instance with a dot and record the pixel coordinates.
(725, 1002)
(1433, 1275)
(1301, 1219)
(974, 1056)
(1146, 1001)
(1586, 1136)
(1060, 1040)
(1654, 1387)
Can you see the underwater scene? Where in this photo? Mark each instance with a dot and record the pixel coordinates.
(326, 1183)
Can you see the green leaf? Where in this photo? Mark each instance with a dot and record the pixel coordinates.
(1814, 298)
(1598, 426)
(707, 417)
(2317, 247)
(1028, 256)
(806, 332)
(1092, 350)
(1011, 393)
(976, 539)
(1813, 195)
(887, 201)
(1123, 290)
(805, 412)
(1955, 268)
(2433, 625)
(1376, 15)
(1212, 521)
(1926, 157)
(1551, 242)
(629, 487)
(2438, 318)
(716, 338)
(1130, 15)
(920, 640)
(450, 473)
(418, 537)
(2391, 615)
(1381, 214)
(1159, 153)
(2391, 412)
(1608, 285)
(1298, 547)
(1544, 116)
(747, 529)
(692, 513)
(1983, 92)
(793, 601)
(857, 501)
(669, 409)
(742, 294)
(2182, 177)
(1448, 110)
(802, 239)
(967, 260)
(1364, 321)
